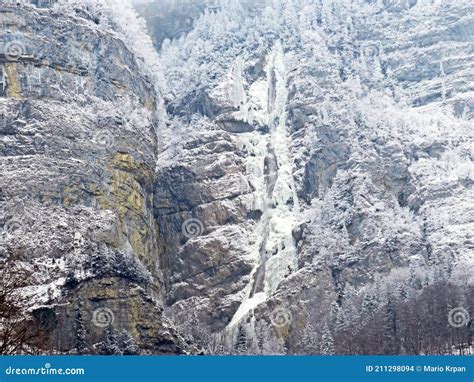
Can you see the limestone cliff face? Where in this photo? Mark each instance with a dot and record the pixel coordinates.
(78, 148)
(271, 175)
(306, 137)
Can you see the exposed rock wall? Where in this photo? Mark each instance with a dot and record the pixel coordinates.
(302, 161)
(350, 195)
(78, 150)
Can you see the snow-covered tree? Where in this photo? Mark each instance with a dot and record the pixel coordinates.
(327, 341)
(119, 343)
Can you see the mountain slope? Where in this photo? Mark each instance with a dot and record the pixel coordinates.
(322, 147)
(270, 177)
(78, 152)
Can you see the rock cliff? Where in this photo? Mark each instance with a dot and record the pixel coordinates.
(272, 177)
(78, 153)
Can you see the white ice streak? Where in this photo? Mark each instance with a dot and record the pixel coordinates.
(270, 172)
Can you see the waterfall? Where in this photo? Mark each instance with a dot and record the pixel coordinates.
(271, 167)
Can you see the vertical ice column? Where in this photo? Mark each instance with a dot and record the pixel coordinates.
(275, 250)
